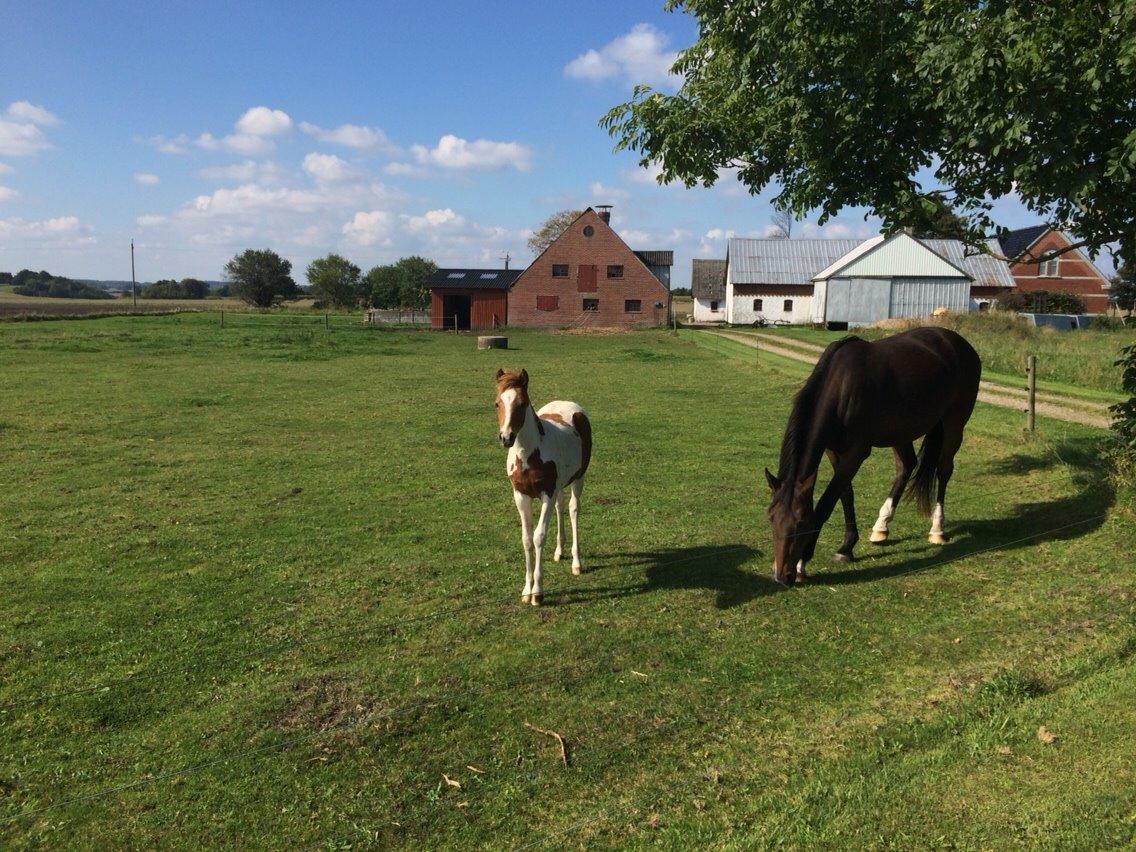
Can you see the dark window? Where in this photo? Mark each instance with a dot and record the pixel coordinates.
(589, 230)
(591, 304)
(632, 306)
(560, 270)
(547, 303)
(615, 270)
(1048, 269)
(788, 305)
(757, 304)
(714, 305)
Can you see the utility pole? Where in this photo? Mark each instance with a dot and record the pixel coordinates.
(133, 282)
(507, 258)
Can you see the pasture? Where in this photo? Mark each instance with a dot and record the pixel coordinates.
(261, 588)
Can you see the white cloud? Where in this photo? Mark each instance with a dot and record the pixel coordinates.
(20, 129)
(327, 168)
(633, 237)
(7, 193)
(238, 143)
(146, 179)
(266, 172)
(406, 170)
(433, 219)
(639, 56)
(605, 194)
(367, 229)
(31, 114)
(648, 176)
(60, 231)
(453, 152)
(150, 220)
(262, 121)
(170, 145)
(350, 136)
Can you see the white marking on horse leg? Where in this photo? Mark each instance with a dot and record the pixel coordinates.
(538, 543)
(880, 530)
(524, 509)
(574, 514)
(801, 575)
(936, 535)
(559, 527)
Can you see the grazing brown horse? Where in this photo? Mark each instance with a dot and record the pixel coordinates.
(862, 395)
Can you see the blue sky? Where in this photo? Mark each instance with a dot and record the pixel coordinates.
(371, 129)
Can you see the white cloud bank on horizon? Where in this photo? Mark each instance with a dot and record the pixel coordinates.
(639, 56)
(453, 152)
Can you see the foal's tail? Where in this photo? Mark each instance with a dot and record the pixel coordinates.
(923, 483)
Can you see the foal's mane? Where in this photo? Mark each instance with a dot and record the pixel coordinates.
(801, 421)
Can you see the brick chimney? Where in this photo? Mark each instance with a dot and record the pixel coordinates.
(605, 212)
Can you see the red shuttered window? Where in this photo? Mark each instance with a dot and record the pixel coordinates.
(547, 303)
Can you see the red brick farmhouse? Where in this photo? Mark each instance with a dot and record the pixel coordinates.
(1071, 272)
(590, 277)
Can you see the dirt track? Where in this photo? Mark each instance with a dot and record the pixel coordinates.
(1051, 405)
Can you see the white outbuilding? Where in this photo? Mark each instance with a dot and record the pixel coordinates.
(855, 282)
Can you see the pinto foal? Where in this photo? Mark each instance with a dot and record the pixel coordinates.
(549, 451)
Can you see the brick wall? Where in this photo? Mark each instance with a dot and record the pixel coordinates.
(1074, 275)
(573, 249)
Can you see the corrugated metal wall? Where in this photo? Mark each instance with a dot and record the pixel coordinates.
(919, 297)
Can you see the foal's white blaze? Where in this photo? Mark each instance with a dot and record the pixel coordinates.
(880, 530)
(936, 535)
(508, 400)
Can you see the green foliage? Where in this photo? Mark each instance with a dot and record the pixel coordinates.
(1122, 293)
(5, 278)
(399, 285)
(43, 283)
(1041, 302)
(852, 104)
(167, 288)
(1124, 414)
(260, 277)
(550, 229)
(335, 281)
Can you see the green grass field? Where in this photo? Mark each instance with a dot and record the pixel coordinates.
(261, 589)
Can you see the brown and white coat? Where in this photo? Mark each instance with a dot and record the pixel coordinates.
(549, 451)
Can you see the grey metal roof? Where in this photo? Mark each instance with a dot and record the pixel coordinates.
(986, 271)
(768, 261)
(656, 258)
(476, 279)
(779, 261)
(708, 279)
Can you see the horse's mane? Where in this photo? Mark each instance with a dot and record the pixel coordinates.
(794, 443)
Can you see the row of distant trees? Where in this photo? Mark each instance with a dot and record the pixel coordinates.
(263, 278)
(29, 283)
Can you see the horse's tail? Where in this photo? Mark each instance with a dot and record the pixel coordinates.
(923, 483)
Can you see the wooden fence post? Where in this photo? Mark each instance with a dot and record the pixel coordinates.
(222, 319)
(1031, 392)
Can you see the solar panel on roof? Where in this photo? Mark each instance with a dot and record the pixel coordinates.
(456, 275)
(488, 276)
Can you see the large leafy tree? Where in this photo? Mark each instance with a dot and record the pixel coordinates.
(335, 280)
(260, 277)
(401, 284)
(899, 105)
(1122, 293)
(550, 229)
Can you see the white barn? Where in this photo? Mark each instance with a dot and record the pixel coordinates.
(708, 290)
(854, 282)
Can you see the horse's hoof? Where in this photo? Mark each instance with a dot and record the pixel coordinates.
(538, 599)
(525, 598)
(937, 539)
(577, 570)
(878, 537)
(842, 557)
(556, 556)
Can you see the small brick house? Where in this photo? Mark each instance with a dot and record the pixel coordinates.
(590, 277)
(1071, 272)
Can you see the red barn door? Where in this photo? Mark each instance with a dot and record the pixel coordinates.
(586, 278)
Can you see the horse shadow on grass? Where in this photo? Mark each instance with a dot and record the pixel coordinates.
(715, 568)
(1028, 525)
